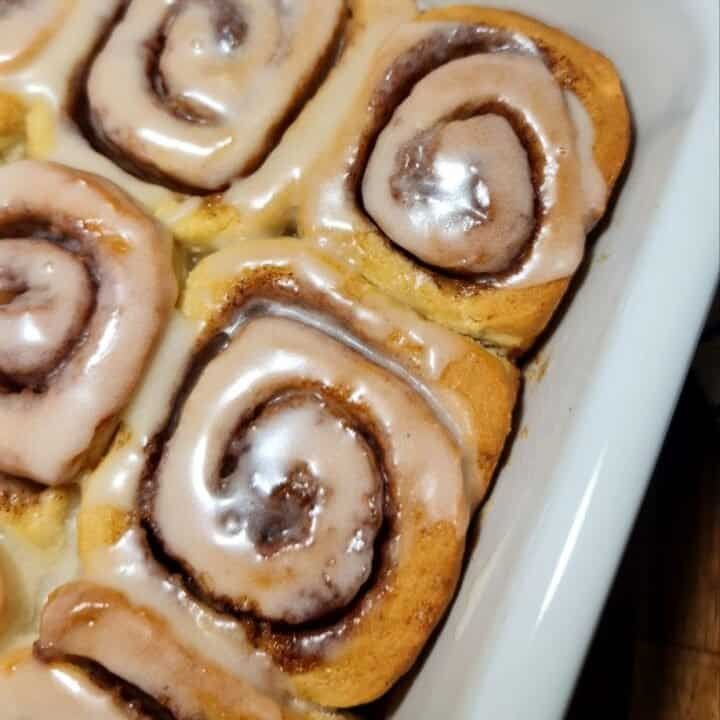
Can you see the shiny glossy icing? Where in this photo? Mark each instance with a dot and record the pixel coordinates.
(126, 564)
(207, 86)
(272, 193)
(461, 195)
(87, 291)
(469, 156)
(46, 80)
(47, 295)
(328, 564)
(25, 25)
(33, 690)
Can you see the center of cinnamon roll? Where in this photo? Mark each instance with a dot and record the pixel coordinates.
(46, 298)
(471, 155)
(285, 476)
(195, 34)
(464, 192)
(277, 478)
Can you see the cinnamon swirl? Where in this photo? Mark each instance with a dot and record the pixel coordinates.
(470, 168)
(86, 285)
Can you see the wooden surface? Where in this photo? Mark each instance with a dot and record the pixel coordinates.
(656, 653)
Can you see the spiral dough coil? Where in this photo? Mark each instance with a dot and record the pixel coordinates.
(86, 286)
(469, 169)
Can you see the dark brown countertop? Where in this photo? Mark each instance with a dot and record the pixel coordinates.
(656, 653)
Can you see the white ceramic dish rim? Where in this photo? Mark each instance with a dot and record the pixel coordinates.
(520, 627)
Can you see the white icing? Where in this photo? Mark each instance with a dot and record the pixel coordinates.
(90, 621)
(31, 573)
(48, 80)
(115, 480)
(25, 26)
(31, 690)
(268, 196)
(525, 85)
(287, 167)
(465, 190)
(324, 344)
(378, 317)
(572, 183)
(126, 567)
(240, 87)
(132, 257)
(593, 182)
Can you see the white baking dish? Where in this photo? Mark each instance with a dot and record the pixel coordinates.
(553, 531)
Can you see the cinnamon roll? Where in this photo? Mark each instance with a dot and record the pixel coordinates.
(296, 508)
(208, 87)
(470, 168)
(86, 286)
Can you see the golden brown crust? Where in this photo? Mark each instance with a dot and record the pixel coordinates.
(385, 642)
(508, 318)
(416, 595)
(577, 67)
(12, 122)
(35, 515)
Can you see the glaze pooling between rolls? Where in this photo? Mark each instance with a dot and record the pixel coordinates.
(87, 284)
(212, 84)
